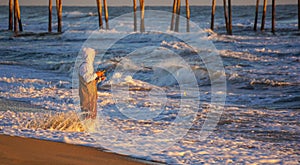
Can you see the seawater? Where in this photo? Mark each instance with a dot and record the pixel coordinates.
(260, 121)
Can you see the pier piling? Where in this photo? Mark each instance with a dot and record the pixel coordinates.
(17, 16)
(99, 9)
(188, 15)
(178, 5)
(142, 8)
(273, 15)
(230, 18)
(106, 13)
(225, 15)
(264, 16)
(134, 16)
(213, 9)
(10, 15)
(174, 14)
(256, 15)
(59, 15)
(50, 16)
(188, 12)
(15, 23)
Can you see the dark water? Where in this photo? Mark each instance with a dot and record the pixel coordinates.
(262, 72)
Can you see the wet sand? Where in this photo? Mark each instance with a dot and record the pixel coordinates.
(27, 151)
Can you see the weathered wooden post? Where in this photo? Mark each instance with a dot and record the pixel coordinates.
(188, 12)
(213, 9)
(225, 15)
(142, 8)
(177, 16)
(178, 7)
(273, 15)
(264, 16)
(18, 14)
(50, 17)
(256, 15)
(106, 13)
(59, 15)
(134, 17)
(15, 18)
(174, 14)
(10, 15)
(188, 15)
(230, 18)
(99, 9)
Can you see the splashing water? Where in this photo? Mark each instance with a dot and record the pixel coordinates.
(61, 121)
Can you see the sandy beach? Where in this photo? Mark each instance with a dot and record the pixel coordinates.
(185, 94)
(18, 150)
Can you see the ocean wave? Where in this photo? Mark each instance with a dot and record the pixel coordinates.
(78, 14)
(59, 121)
(269, 82)
(23, 81)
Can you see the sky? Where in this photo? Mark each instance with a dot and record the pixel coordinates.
(147, 2)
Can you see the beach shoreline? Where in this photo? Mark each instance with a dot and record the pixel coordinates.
(16, 150)
(19, 150)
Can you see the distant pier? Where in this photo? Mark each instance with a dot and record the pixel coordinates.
(15, 23)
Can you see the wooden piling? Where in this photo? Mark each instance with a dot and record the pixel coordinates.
(99, 9)
(59, 15)
(18, 15)
(225, 15)
(213, 9)
(175, 6)
(50, 16)
(178, 7)
(177, 16)
(142, 8)
(106, 13)
(134, 16)
(10, 15)
(188, 13)
(187, 25)
(264, 16)
(230, 18)
(174, 14)
(273, 15)
(256, 15)
(15, 18)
